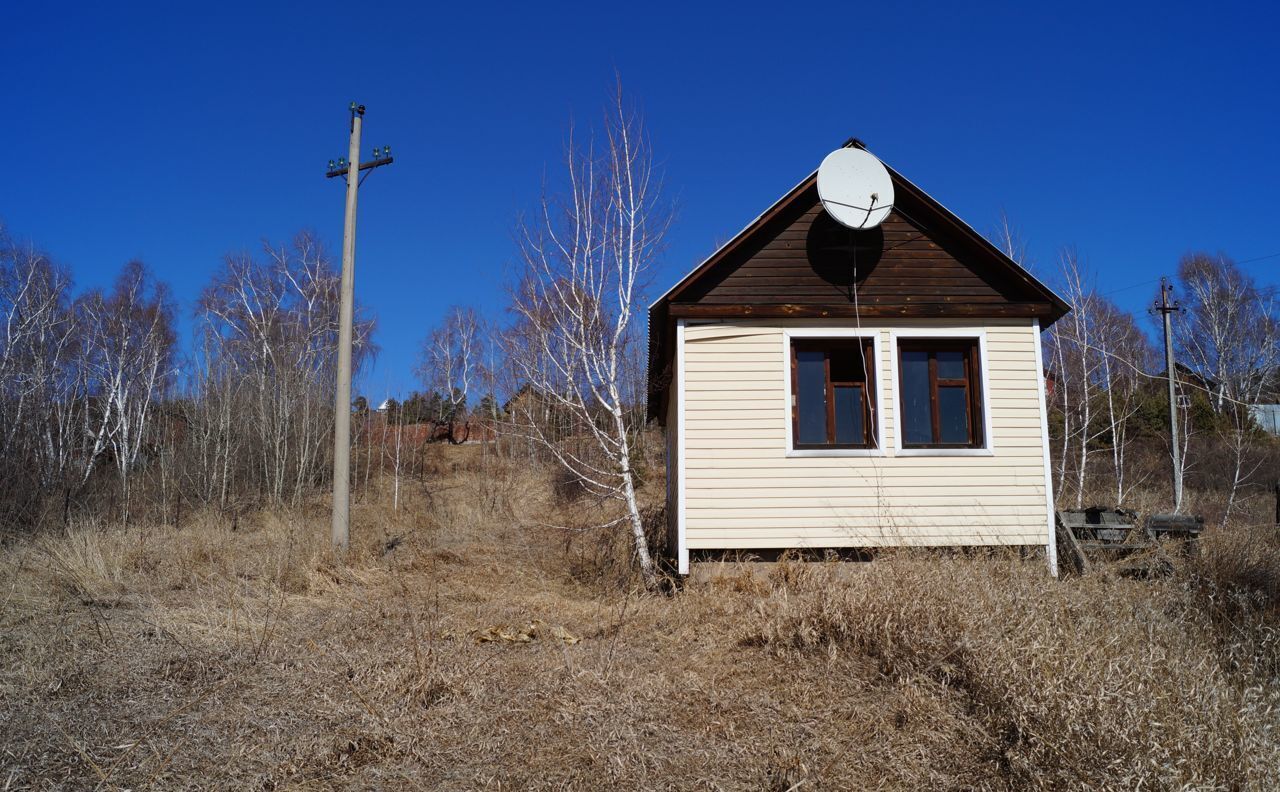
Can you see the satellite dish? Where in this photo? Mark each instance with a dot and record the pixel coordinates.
(855, 188)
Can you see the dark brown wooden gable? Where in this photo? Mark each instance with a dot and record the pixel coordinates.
(802, 259)
(794, 261)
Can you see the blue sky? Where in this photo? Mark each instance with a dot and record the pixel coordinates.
(176, 133)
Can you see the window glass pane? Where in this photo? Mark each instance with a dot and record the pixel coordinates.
(811, 401)
(846, 364)
(950, 365)
(953, 415)
(916, 418)
(849, 414)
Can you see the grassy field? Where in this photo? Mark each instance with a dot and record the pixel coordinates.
(464, 644)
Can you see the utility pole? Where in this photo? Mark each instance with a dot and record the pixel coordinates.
(1167, 308)
(342, 398)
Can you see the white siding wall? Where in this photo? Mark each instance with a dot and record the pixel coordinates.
(743, 490)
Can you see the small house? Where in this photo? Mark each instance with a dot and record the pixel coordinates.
(829, 388)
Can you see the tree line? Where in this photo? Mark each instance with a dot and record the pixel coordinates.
(1109, 408)
(96, 394)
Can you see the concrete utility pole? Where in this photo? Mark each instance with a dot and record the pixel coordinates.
(342, 397)
(1167, 308)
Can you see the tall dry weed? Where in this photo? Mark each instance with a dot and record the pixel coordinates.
(1098, 681)
(86, 561)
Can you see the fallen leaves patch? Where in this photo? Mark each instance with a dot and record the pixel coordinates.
(536, 630)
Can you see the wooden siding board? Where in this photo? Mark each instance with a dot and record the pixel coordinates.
(810, 492)
(806, 258)
(732, 459)
(962, 526)
(767, 541)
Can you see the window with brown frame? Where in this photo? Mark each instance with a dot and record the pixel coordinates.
(833, 394)
(941, 393)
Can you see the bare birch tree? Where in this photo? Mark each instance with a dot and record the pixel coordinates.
(1074, 349)
(83, 382)
(1100, 358)
(1227, 333)
(40, 383)
(129, 339)
(452, 360)
(576, 341)
(1229, 336)
(269, 330)
(1011, 242)
(1125, 356)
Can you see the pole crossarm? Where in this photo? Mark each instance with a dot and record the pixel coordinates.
(343, 171)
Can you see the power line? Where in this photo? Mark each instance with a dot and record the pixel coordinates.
(1134, 286)
(1157, 280)
(1260, 258)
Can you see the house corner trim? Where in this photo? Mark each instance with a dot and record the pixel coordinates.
(1051, 544)
(682, 546)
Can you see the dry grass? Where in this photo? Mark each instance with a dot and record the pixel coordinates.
(484, 650)
(1100, 681)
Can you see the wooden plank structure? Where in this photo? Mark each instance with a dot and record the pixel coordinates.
(1183, 527)
(1094, 533)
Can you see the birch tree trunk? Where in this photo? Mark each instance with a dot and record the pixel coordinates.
(576, 345)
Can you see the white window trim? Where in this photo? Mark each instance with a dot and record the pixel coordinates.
(988, 438)
(876, 353)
